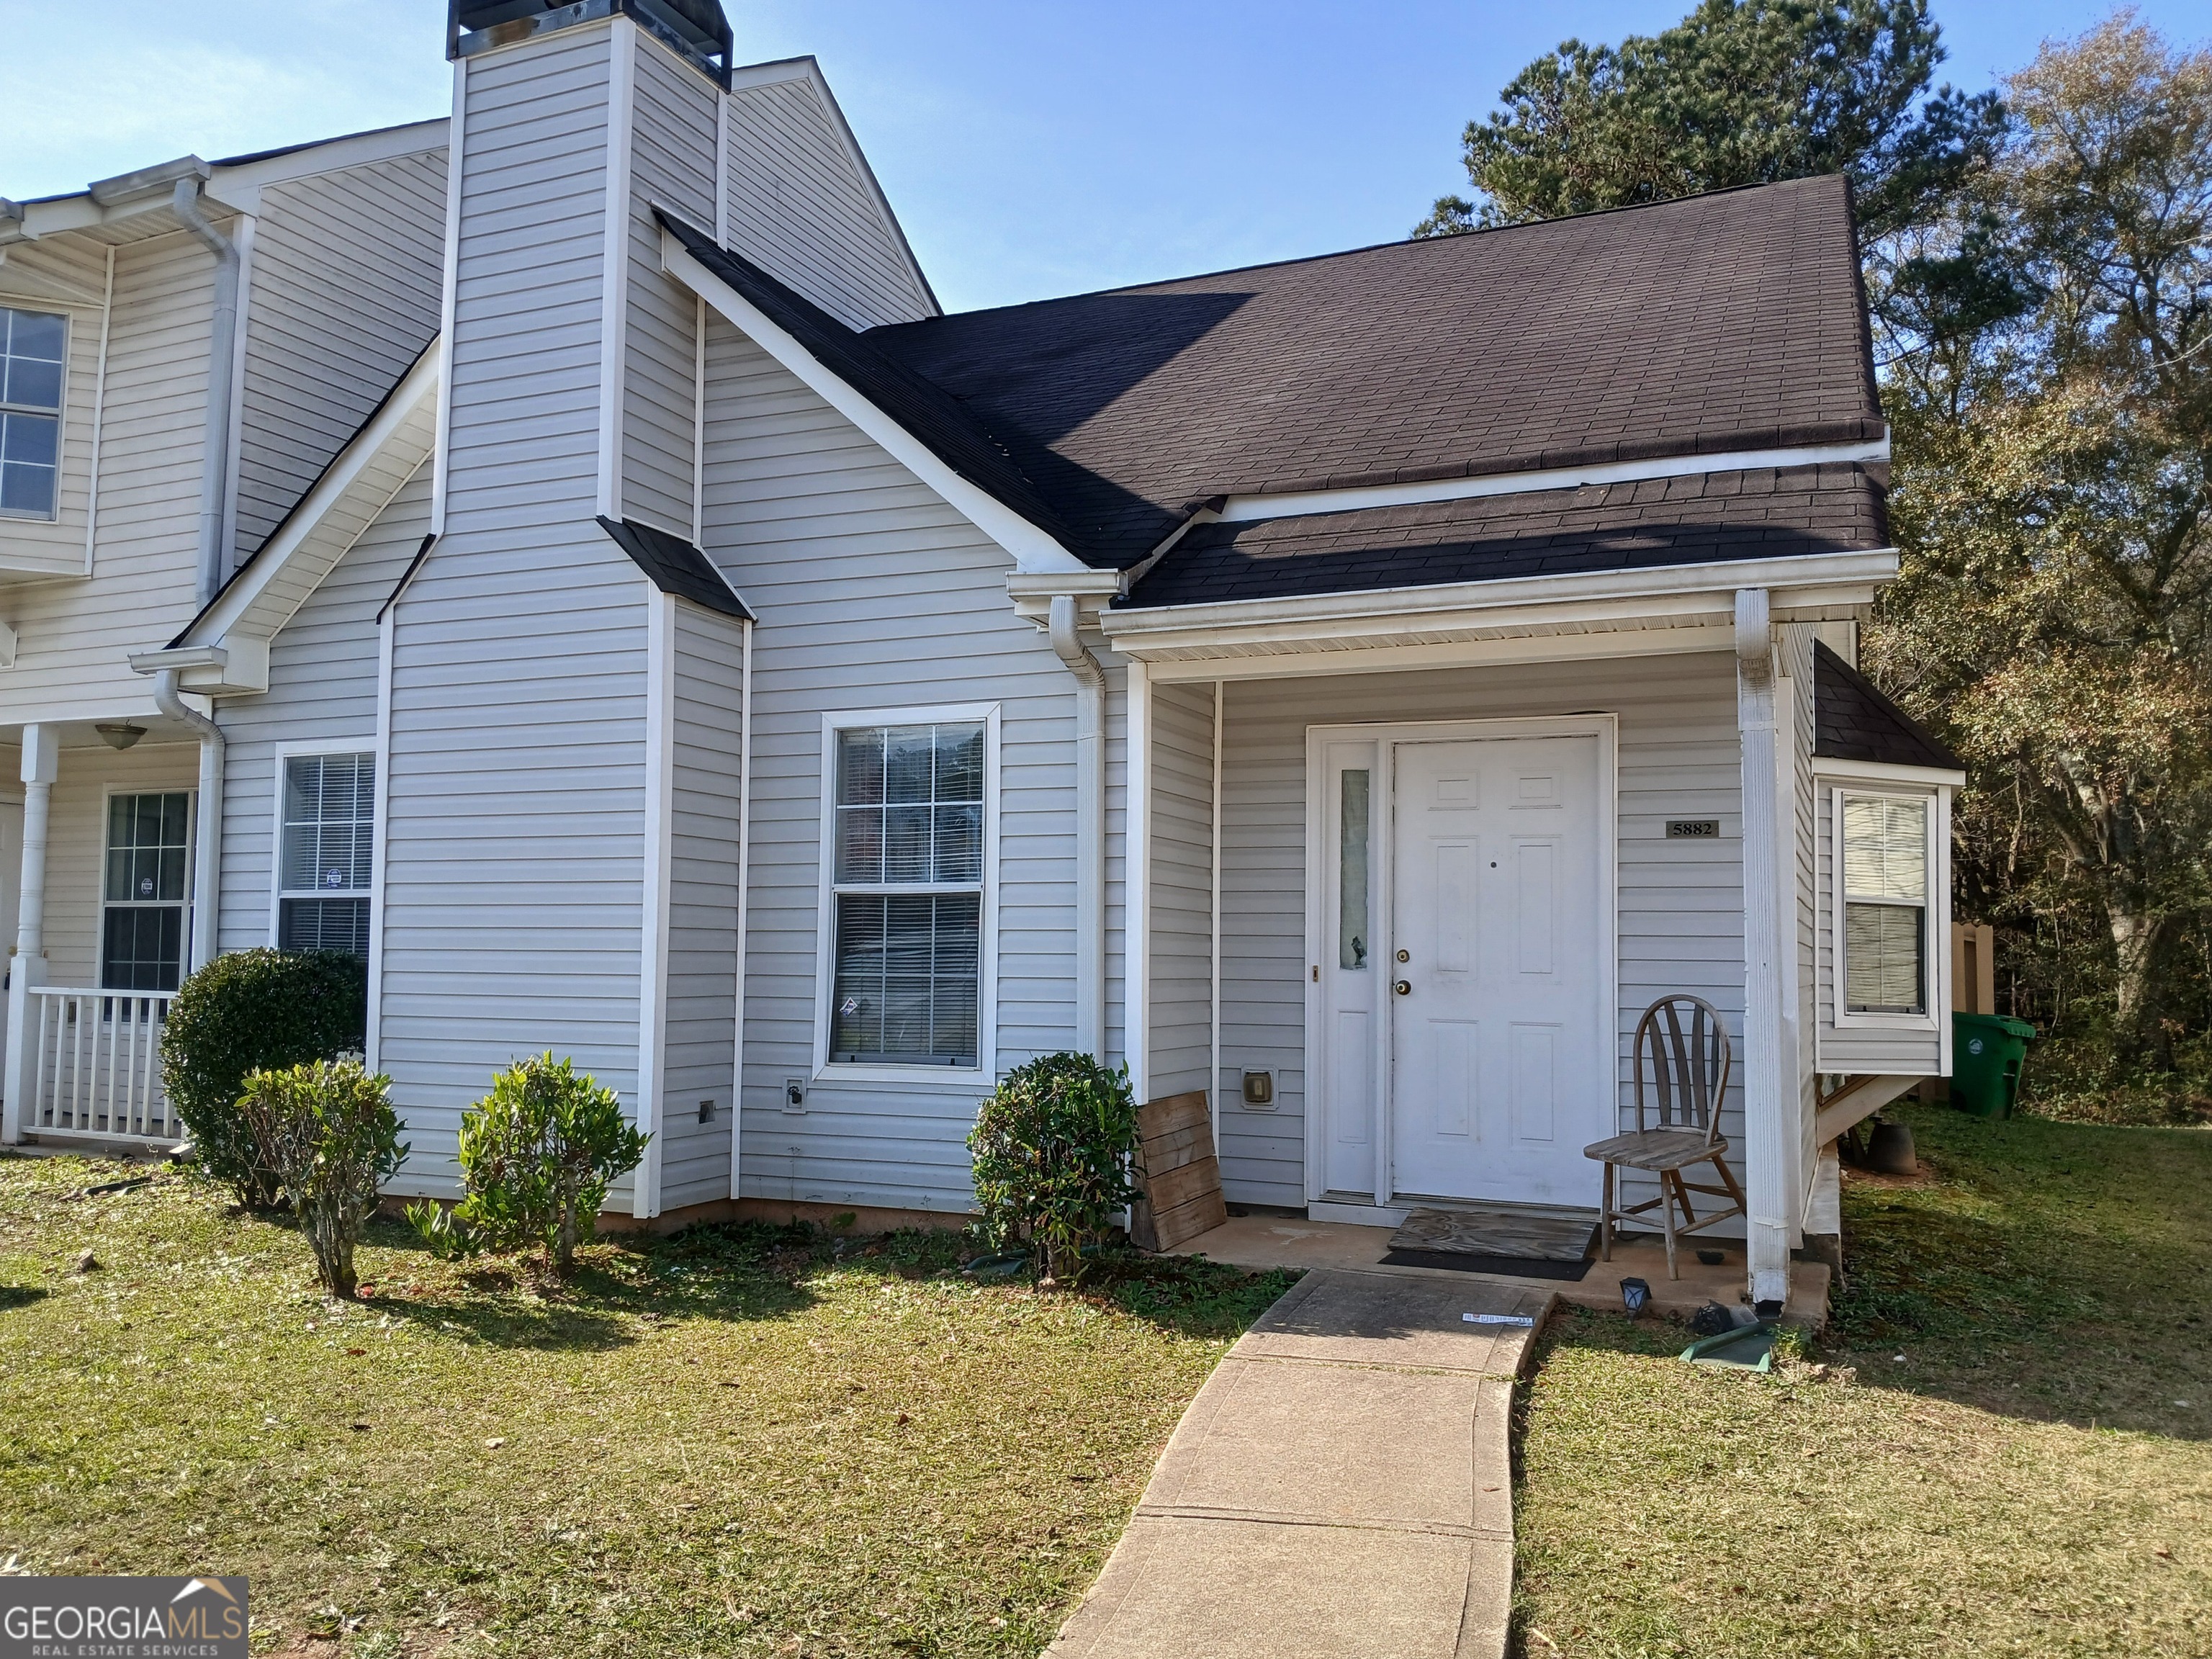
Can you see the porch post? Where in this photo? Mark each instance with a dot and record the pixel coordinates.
(1765, 1155)
(41, 759)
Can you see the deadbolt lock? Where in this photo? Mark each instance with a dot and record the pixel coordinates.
(1404, 955)
(1405, 987)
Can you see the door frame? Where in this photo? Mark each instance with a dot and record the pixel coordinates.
(1382, 838)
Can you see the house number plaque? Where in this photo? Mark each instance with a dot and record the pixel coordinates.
(1693, 829)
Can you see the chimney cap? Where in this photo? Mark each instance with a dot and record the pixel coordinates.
(697, 29)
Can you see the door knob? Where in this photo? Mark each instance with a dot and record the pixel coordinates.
(1404, 987)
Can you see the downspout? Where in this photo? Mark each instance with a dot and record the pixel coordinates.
(207, 852)
(222, 339)
(1089, 826)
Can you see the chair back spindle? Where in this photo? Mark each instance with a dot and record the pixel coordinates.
(1682, 1056)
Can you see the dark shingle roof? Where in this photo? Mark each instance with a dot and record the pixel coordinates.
(675, 566)
(1694, 519)
(1724, 322)
(1853, 721)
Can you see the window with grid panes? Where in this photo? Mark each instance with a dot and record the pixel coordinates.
(143, 892)
(907, 895)
(33, 346)
(329, 847)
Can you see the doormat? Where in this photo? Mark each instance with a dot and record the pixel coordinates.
(1494, 1241)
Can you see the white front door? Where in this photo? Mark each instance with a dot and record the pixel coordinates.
(1500, 1049)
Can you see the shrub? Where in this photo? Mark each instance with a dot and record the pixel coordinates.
(1053, 1148)
(329, 1133)
(537, 1154)
(254, 1011)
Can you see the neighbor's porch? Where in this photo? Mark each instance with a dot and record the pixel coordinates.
(97, 879)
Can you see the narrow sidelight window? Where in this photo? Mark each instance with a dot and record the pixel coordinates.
(329, 837)
(33, 344)
(907, 895)
(1885, 931)
(1352, 922)
(148, 872)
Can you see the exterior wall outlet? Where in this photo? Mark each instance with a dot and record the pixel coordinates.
(794, 1094)
(1260, 1091)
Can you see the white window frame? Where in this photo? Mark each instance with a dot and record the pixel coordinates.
(1936, 912)
(60, 412)
(825, 934)
(107, 794)
(295, 748)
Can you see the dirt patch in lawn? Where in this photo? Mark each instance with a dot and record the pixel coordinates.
(731, 1441)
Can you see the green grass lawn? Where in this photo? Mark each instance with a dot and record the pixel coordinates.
(728, 1442)
(2021, 1462)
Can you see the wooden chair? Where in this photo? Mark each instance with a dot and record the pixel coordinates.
(1682, 1051)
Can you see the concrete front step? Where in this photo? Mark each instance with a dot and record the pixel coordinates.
(1339, 1489)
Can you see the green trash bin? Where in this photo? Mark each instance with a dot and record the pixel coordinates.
(1986, 1052)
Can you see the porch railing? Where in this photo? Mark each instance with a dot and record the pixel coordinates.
(94, 1065)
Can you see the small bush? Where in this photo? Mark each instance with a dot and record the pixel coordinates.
(1052, 1147)
(537, 1154)
(254, 1011)
(330, 1134)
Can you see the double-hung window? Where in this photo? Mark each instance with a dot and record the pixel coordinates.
(328, 834)
(143, 892)
(1885, 840)
(906, 897)
(33, 344)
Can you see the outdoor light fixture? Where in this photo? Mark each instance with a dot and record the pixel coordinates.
(1634, 1293)
(119, 735)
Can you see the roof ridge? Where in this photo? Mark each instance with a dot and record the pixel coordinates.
(1366, 247)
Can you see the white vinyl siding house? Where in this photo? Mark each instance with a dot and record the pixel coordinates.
(657, 635)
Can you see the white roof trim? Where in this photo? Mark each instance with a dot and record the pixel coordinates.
(341, 504)
(1702, 596)
(1832, 770)
(1244, 509)
(1032, 548)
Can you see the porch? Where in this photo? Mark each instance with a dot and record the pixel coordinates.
(1401, 888)
(97, 880)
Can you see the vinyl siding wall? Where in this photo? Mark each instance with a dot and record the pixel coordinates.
(707, 800)
(1180, 1034)
(515, 846)
(74, 634)
(873, 594)
(801, 211)
(1681, 907)
(322, 689)
(344, 295)
(672, 163)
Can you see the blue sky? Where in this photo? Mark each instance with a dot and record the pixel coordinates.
(1029, 149)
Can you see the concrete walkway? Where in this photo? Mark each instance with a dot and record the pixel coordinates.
(1339, 1489)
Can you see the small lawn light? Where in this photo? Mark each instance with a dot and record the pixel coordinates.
(1634, 1293)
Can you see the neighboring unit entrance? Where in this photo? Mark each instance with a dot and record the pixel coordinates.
(1477, 863)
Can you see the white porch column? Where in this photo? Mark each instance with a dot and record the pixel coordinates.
(1765, 1122)
(41, 760)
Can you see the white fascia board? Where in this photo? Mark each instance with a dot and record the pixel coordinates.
(1812, 579)
(247, 607)
(1032, 549)
(1830, 769)
(1245, 509)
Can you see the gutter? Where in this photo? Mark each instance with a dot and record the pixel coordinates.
(1090, 824)
(207, 851)
(222, 341)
